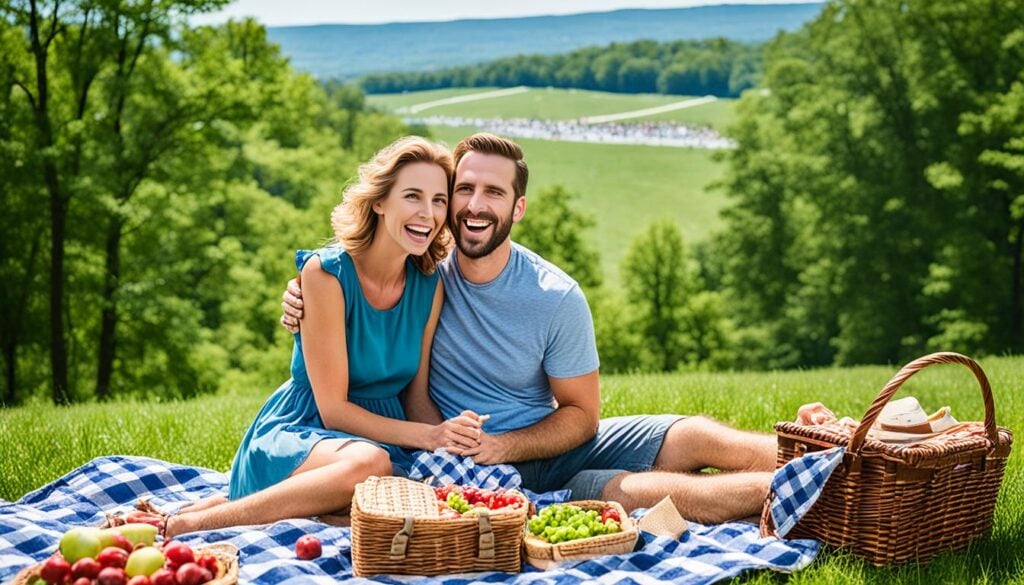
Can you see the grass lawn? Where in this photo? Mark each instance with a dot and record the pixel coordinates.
(39, 443)
(624, 188)
(559, 104)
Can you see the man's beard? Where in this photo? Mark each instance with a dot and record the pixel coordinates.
(499, 231)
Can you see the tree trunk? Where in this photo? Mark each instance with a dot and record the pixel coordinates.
(108, 319)
(58, 208)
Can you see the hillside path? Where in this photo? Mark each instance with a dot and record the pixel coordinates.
(649, 111)
(416, 108)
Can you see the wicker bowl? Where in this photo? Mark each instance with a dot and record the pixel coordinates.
(542, 554)
(226, 555)
(396, 529)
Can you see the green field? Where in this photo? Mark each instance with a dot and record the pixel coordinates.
(559, 104)
(624, 188)
(39, 443)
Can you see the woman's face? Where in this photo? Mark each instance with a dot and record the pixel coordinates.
(415, 209)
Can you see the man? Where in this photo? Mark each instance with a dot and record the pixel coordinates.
(515, 341)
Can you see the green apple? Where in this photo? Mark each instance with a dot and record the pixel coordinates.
(144, 561)
(79, 543)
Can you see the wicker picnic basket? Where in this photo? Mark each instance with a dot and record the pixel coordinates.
(891, 503)
(226, 555)
(542, 554)
(396, 529)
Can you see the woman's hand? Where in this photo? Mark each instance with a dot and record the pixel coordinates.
(814, 414)
(457, 434)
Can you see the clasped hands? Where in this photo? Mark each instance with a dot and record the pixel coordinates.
(464, 435)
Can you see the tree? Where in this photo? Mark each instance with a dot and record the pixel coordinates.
(658, 282)
(555, 230)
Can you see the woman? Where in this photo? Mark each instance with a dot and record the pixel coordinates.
(371, 306)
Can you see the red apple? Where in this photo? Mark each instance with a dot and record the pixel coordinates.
(112, 576)
(164, 577)
(192, 574)
(55, 569)
(308, 547)
(178, 554)
(86, 567)
(112, 556)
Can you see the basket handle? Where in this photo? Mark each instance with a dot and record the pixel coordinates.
(945, 357)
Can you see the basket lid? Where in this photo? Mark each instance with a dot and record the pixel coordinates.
(396, 496)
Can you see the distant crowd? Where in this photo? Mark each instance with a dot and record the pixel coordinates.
(648, 133)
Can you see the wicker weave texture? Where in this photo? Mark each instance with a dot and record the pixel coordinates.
(384, 541)
(893, 503)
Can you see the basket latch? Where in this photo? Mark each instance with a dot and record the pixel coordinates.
(486, 535)
(400, 543)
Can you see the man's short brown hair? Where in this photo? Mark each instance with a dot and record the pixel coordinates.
(486, 143)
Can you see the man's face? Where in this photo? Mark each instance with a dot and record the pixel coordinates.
(483, 206)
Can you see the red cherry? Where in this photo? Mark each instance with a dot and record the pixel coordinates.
(308, 547)
(82, 581)
(55, 569)
(208, 562)
(123, 543)
(140, 580)
(86, 567)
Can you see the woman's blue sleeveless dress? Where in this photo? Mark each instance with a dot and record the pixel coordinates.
(383, 356)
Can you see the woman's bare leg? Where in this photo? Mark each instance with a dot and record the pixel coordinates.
(323, 484)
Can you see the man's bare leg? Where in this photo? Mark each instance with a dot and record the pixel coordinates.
(696, 442)
(323, 484)
(705, 498)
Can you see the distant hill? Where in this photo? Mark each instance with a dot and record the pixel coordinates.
(346, 50)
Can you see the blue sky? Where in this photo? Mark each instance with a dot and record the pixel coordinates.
(294, 12)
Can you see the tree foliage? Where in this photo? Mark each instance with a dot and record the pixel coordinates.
(155, 177)
(876, 189)
(717, 67)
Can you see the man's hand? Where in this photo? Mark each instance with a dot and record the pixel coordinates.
(457, 434)
(291, 304)
(490, 451)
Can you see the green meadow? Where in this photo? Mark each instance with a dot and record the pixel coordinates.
(624, 188)
(40, 442)
(559, 104)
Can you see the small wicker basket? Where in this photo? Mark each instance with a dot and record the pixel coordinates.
(542, 554)
(396, 529)
(226, 555)
(891, 503)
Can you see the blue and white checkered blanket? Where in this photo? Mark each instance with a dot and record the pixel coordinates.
(31, 527)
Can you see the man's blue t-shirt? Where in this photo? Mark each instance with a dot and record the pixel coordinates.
(497, 343)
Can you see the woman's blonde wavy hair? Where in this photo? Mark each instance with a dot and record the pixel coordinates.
(354, 220)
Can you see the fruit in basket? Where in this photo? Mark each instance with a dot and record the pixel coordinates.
(192, 574)
(459, 500)
(164, 577)
(79, 543)
(178, 554)
(55, 569)
(138, 533)
(112, 576)
(140, 580)
(145, 561)
(565, 522)
(208, 562)
(112, 556)
(86, 568)
(308, 547)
